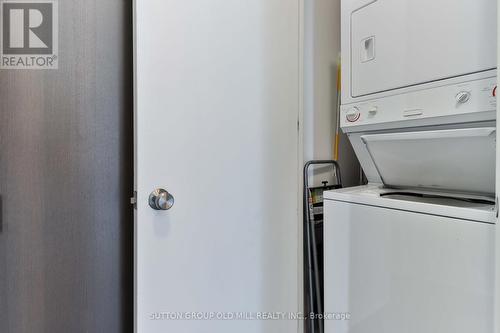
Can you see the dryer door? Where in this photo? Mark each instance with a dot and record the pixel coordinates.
(400, 43)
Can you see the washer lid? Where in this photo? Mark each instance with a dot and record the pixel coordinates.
(457, 160)
(471, 208)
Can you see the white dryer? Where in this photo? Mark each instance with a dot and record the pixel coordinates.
(394, 46)
(413, 251)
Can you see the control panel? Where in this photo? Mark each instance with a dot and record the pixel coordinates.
(472, 97)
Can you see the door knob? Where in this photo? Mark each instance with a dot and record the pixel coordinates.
(160, 199)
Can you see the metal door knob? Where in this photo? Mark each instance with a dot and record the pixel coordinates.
(160, 199)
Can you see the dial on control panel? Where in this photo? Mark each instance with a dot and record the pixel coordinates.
(353, 114)
(463, 97)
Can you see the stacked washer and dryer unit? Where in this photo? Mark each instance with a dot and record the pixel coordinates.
(413, 251)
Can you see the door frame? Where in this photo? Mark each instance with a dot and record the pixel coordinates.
(300, 164)
(496, 308)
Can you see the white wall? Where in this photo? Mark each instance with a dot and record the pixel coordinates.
(322, 47)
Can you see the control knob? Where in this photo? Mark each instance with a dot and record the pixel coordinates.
(353, 114)
(463, 97)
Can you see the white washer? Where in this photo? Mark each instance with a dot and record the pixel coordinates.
(407, 264)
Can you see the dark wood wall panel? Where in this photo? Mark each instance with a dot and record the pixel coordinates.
(66, 175)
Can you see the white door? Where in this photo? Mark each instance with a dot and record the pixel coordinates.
(216, 120)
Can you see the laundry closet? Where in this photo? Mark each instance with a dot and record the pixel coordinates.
(414, 249)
